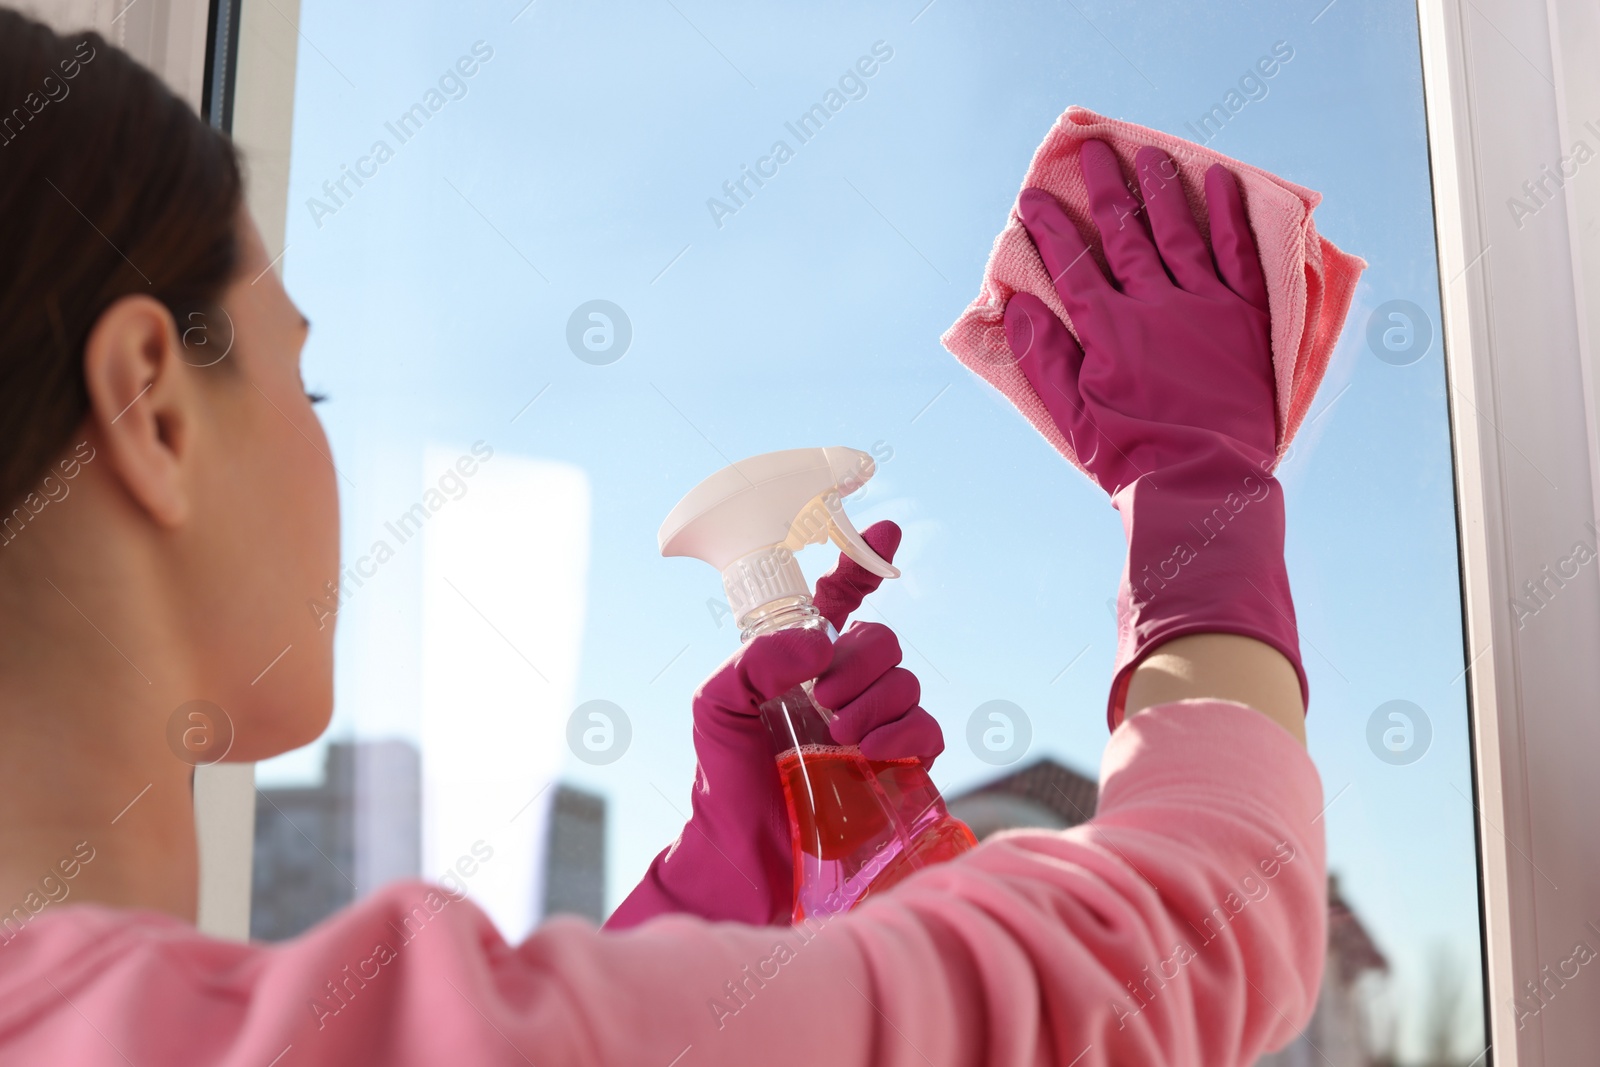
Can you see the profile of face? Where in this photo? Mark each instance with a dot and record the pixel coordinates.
(232, 497)
(276, 506)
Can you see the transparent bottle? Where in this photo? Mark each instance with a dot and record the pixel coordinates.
(858, 826)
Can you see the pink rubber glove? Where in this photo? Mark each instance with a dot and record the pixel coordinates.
(1169, 401)
(734, 860)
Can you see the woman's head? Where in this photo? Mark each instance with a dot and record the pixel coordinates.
(154, 434)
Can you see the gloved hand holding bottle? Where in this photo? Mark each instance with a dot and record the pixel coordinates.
(1168, 401)
(734, 859)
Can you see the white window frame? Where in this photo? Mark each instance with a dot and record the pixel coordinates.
(1509, 86)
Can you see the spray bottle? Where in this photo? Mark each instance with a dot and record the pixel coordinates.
(858, 826)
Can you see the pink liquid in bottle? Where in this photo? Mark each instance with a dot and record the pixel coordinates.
(858, 826)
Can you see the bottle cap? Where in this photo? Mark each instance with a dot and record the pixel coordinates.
(749, 519)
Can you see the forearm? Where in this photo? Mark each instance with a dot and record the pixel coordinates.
(1220, 667)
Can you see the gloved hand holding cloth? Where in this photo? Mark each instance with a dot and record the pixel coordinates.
(1167, 398)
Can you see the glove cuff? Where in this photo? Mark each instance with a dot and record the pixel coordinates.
(1205, 555)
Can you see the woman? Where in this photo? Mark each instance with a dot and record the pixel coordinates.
(170, 513)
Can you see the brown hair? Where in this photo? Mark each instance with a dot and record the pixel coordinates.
(109, 185)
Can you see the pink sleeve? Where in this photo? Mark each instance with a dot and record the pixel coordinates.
(1185, 924)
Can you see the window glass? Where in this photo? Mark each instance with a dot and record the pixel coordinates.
(549, 297)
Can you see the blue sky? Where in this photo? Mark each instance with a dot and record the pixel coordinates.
(577, 164)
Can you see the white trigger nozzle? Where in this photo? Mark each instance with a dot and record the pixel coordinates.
(844, 534)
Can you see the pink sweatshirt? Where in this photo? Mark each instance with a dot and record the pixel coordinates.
(1184, 925)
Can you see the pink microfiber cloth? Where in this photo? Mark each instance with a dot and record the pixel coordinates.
(1309, 280)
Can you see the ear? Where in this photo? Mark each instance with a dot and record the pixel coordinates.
(140, 403)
